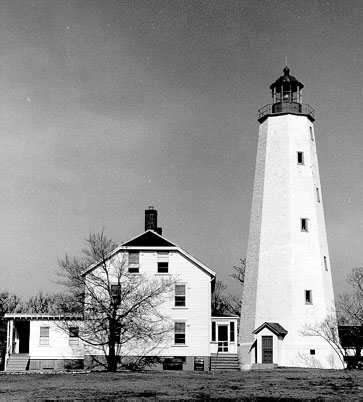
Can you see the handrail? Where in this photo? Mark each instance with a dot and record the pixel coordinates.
(7, 356)
(286, 107)
(216, 362)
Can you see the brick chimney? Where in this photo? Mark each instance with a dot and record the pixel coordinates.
(151, 220)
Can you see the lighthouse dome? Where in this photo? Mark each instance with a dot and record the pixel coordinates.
(286, 81)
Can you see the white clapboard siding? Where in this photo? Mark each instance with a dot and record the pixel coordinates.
(58, 346)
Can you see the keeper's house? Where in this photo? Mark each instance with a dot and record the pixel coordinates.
(38, 342)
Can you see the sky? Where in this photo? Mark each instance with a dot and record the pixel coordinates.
(108, 107)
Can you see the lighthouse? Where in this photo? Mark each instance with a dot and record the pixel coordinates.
(288, 282)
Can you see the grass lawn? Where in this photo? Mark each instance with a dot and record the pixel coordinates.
(298, 384)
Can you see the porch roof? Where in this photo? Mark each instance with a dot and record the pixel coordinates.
(274, 327)
(26, 317)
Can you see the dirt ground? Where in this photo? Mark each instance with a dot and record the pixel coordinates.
(278, 384)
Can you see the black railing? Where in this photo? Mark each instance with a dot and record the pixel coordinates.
(286, 107)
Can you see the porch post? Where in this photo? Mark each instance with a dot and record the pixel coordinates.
(9, 342)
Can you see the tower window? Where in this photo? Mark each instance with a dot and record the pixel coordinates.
(308, 297)
(317, 194)
(325, 263)
(300, 158)
(311, 133)
(304, 224)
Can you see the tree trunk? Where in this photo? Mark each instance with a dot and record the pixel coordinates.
(111, 358)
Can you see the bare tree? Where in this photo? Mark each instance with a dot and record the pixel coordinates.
(219, 300)
(328, 330)
(350, 316)
(227, 304)
(223, 303)
(350, 305)
(345, 334)
(121, 311)
(240, 271)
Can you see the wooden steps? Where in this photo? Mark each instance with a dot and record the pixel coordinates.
(18, 362)
(224, 361)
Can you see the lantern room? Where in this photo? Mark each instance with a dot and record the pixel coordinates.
(286, 93)
(286, 98)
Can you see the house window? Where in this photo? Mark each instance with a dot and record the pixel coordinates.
(179, 333)
(116, 293)
(213, 331)
(311, 133)
(300, 158)
(44, 336)
(163, 262)
(231, 331)
(317, 194)
(308, 297)
(312, 351)
(179, 295)
(134, 262)
(304, 224)
(73, 335)
(325, 263)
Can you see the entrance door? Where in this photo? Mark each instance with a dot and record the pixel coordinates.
(23, 328)
(267, 347)
(222, 338)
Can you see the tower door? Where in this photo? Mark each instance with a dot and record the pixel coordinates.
(267, 347)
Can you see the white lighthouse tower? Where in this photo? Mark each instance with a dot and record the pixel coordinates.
(288, 282)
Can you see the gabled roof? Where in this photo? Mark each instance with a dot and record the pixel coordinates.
(274, 327)
(148, 239)
(151, 240)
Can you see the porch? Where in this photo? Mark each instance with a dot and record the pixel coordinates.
(39, 342)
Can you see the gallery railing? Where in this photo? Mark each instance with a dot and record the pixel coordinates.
(286, 107)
